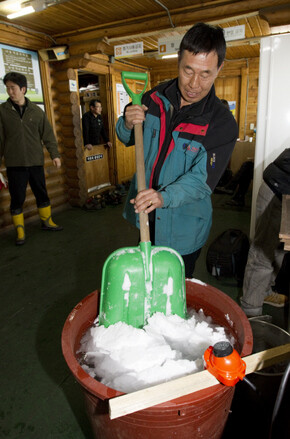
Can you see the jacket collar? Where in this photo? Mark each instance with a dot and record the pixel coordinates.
(171, 91)
(20, 109)
(98, 116)
(27, 102)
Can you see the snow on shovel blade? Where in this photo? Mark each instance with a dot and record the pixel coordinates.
(139, 281)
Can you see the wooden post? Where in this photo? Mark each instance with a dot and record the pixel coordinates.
(243, 102)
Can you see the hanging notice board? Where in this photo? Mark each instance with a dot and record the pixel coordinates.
(14, 59)
(122, 99)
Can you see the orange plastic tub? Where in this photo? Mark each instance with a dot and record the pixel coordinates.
(201, 414)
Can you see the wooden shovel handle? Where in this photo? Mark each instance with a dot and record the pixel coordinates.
(141, 182)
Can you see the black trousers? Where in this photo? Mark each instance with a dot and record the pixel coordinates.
(18, 178)
(189, 262)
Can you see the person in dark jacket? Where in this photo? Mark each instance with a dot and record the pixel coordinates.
(266, 252)
(24, 128)
(189, 136)
(93, 126)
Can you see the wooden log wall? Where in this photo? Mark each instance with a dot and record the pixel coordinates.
(68, 121)
(68, 128)
(9, 34)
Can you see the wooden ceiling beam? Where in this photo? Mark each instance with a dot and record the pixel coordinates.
(180, 17)
(182, 28)
(244, 42)
(22, 38)
(276, 16)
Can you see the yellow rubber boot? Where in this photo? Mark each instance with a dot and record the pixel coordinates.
(18, 221)
(46, 220)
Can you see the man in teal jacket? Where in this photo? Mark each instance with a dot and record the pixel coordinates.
(189, 136)
(24, 129)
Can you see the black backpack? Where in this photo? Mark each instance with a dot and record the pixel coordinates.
(227, 255)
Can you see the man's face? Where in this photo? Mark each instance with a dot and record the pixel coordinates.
(97, 109)
(196, 75)
(16, 94)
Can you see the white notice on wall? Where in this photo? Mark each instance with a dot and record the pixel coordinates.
(122, 99)
(234, 32)
(167, 46)
(73, 85)
(129, 49)
(21, 61)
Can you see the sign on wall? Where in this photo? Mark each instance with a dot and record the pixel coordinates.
(14, 59)
(234, 32)
(122, 99)
(168, 46)
(129, 49)
(232, 105)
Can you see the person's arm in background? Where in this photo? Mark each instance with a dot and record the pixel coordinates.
(105, 136)
(49, 140)
(85, 126)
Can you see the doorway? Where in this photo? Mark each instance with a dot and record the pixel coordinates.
(96, 161)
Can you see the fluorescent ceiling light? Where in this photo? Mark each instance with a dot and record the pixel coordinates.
(172, 55)
(23, 11)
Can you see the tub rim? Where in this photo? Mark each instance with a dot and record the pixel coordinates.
(104, 392)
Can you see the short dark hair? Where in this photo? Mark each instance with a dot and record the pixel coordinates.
(17, 78)
(94, 101)
(204, 38)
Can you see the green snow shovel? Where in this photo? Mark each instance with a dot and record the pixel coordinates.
(139, 281)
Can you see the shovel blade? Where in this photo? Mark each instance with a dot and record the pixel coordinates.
(140, 281)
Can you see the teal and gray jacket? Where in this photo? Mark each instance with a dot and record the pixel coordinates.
(22, 139)
(186, 152)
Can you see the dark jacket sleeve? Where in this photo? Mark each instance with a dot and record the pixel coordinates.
(277, 174)
(86, 127)
(220, 142)
(103, 133)
(48, 138)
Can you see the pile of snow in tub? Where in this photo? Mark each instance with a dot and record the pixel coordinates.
(167, 347)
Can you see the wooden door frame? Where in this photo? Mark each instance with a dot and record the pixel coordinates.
(104, 71)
